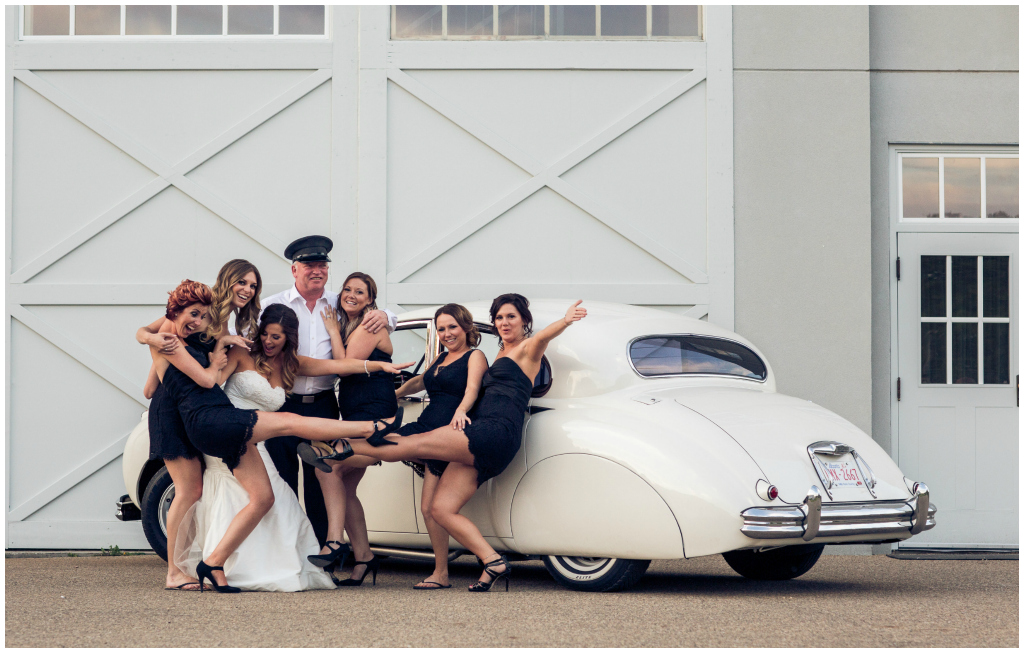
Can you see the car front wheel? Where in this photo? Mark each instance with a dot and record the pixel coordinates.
(156, 500)
(783, 563)
(595, 574)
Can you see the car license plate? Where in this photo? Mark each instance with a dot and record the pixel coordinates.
(842, 473)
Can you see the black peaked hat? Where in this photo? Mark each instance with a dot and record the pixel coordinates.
(309, 249)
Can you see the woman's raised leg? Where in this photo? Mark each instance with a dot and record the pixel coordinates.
(273, 425)
(187, 476)
(438, 536)
(454, 490)
(444, 443)
(252, 476)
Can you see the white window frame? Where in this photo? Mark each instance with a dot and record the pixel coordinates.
(174, 28)
(495, 36)
(949, 320)
(943, 153)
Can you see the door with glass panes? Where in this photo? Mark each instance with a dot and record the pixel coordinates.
(958, 383)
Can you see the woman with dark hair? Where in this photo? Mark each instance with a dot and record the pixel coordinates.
(368, 396)
(219, 429)
(489, 442)
(453, 384)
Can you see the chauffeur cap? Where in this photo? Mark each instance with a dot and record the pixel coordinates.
(309, 249)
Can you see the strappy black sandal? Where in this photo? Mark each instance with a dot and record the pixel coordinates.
(481, 586)
(205, 571)
(338, 552)
(377, 439)
(314, 453)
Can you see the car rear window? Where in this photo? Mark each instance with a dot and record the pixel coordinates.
(670, 355)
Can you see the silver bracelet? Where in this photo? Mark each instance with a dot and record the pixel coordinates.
(365, 368)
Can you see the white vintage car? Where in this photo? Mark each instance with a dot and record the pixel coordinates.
(650, 436)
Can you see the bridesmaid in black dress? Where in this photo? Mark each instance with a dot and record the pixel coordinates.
(453, 384)
(368, 396)
(490, 442)
(218, 429)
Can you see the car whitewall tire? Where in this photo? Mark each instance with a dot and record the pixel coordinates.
(595, 574)
(155, 502)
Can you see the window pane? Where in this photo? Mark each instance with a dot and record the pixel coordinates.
(933, 352)
(623, 20)
(933, 286)
(996, 286)
(674, 20)
(200, 19)
(965, 286)
(47, 20)
(98, 20)
(250, 19)
(418, 20)
(1002, 188)
(573, 20)
(147, 20)
(300, 19)
(470, 20)
(695, 355)
(920, 187)
(997, 353)
(963, 188)
(965, 352)
(521, 20)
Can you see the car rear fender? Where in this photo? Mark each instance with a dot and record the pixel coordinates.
(135, 459)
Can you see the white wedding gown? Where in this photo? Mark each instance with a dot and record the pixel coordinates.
(273, 557)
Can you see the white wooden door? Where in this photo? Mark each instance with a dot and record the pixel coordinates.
(958, 383)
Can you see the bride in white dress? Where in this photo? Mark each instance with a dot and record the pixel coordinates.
(273, 558)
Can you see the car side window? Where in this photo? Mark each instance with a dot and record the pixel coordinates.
(686, 354)
(410, 343)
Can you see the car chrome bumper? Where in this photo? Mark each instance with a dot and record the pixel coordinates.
(127, 510)
(872, 520)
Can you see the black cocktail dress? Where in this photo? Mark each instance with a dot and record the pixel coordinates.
(497, 428)
(167, 437)
(367, 398)
(446, 387)
(214, 426)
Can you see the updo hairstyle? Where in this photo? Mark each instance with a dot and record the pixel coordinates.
(522, 306)
(187, 293)
(464, 319)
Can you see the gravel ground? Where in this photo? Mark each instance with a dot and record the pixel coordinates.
(845, 601)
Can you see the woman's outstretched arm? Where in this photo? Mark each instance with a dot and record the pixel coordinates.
(477, 366)
(317, 367)
(206, 377)
(410, 387)
(535, 346)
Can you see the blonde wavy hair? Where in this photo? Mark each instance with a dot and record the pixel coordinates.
(289, 321)
(348, 326)
(246, 322)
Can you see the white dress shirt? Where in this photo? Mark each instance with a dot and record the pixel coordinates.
(314, 340)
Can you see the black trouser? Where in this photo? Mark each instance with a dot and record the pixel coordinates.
(282, 452)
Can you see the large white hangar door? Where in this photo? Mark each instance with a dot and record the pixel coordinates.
(125, 182)
(576, 170)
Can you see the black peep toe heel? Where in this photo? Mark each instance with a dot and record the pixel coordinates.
(372, 565)
(377, 439)
(481, 586)
(338, 552)
(205, 571)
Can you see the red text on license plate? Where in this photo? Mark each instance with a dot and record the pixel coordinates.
(843, 474)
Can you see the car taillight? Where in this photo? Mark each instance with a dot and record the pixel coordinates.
(773, 492)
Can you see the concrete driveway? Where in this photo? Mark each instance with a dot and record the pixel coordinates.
(863, 601)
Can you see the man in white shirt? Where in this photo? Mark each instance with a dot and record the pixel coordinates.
(312, 396)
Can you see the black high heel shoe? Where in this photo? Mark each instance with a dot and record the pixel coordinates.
(314, 453)
(337, 553)
(204, 571)
(373, 564)
(481, 586)
(377, 439)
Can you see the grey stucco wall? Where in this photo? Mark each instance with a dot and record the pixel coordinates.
(943, 75)
(803, 199)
